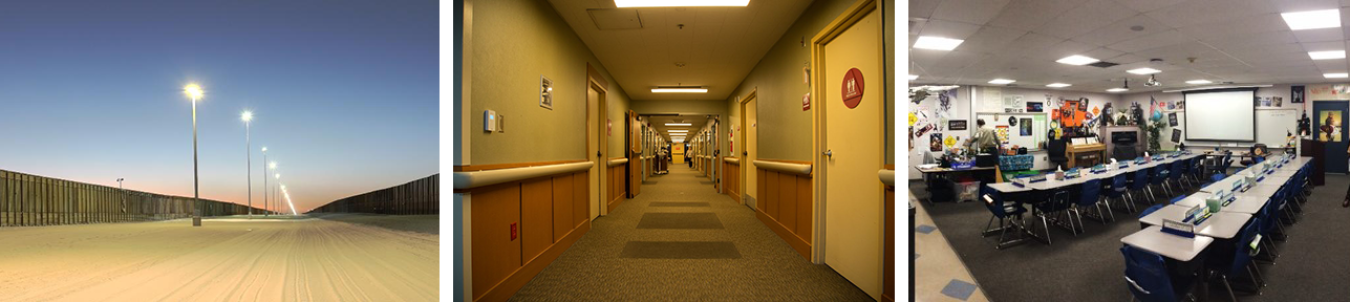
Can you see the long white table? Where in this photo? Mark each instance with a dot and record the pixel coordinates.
(1219, 225)
(1050, 183)
(1152, 239)
(1240, 204)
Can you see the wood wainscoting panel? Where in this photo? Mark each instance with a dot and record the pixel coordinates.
(536, 217)
(617, 192)
(771, 194)
(804, 208)
(581, 198)
(759, 189)
(562, 206)
(888, 268)
(731, 181)
(787, 201)
(495, 208)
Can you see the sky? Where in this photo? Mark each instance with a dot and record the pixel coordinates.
(344, 94)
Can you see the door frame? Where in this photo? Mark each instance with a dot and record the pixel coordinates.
(747, 166)
(819, 172)
(595, 81)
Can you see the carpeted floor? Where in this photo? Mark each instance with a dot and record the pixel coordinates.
(741, 261)
(1314, 263)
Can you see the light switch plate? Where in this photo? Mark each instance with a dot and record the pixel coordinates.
(489, 120)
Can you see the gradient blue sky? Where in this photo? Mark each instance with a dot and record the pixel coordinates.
(344, 93)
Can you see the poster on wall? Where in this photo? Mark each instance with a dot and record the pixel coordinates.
(1035, 107)
(991, 100)
(956, 125)
(1002, 132)
(1276, 101)
(1013, 103)
(1172, 119)
(1025, 126)
(935, 142)
(1296, 94)
(1330, 130)
(1176, 136)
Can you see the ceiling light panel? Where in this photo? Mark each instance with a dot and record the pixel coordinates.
(1198, 82)
(1117, 90)
(679, 90)
(1144, 70)
(1001, 81)
(1335, 75)
(1058, 85)
(1327, 54)
(1327, 18)
(936, 43)
(1077, 60)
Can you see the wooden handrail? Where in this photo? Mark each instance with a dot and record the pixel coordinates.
(474, 179)
(887, 176)
(804, 169)
(618, 161)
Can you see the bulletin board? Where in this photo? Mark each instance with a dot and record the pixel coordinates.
(1019, 133)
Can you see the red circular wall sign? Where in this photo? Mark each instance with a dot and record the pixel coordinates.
(852, 90)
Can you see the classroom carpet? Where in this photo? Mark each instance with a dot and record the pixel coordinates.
(742, 260)
(1314, 262)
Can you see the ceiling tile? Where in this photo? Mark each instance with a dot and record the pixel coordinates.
(1210, 11)
(969, 11)
(1031, 14)
(949, 29)
(991, 38)
(1085, 18)
(1123, 30)
(1304, 5)
(923, 8)
(1319, 35)
(1161, 39)
(1237, 28)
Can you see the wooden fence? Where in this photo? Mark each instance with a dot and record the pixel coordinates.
(31, 200)
(419, 197)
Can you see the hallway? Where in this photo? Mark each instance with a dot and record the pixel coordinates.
(681, 240)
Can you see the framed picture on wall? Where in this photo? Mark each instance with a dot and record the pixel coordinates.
(956, 125)
(1296, 94)
(1035, 107)
(545, 93)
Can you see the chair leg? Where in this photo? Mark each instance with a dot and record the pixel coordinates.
(1046, 226)
(1255, 272)
(1229, 287)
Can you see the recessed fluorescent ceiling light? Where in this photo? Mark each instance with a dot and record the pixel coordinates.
(1327, 54)
(677, 131)
(1336, 75)
(679, 90)
(1144, 70)
(913, 77)
(1078, 60)
(1198, 82)
(679, 124)
(1001, 81)
(1315, 19)
(1117, 90)
(669, 3)
(938, 43)
(1058, 85)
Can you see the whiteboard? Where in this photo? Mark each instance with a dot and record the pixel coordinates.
(1227, 116)
(1271, 127)
(1039, 126)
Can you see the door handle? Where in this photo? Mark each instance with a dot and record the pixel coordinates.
(829, 153)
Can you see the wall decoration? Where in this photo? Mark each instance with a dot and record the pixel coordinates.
(1025, 127)
(1107, 118)
(1002, 132)
(951, 141)
(1035, 107)
(1276, 101)
(956, 125)
(1176, 136)
(1330, 130)
(806, 101)
(991, 100)
(1181, 105)
(1304, 126)
(852, 88)
(945, 100)
(935, 142)
(545, 93)
(924, 130)
(1013, 102)
(1172, 119)
(1012, 121)
(1296, 94)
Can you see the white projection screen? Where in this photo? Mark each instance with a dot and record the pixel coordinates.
(1227, 115)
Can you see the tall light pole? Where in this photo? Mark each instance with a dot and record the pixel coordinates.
(124, 195)
(264, 153)
(274, 190)
(248, 149)
(195, 92)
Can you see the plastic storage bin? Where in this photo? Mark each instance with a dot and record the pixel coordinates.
(967, 190)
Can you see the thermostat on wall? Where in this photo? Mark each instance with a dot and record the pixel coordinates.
(489, 120)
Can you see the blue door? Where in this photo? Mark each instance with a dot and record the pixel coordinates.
(1329, 126)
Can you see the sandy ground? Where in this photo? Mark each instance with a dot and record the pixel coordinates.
(228, 259)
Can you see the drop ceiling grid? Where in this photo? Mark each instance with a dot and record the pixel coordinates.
(1252, 41)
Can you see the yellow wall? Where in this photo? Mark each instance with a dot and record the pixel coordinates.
(513, 43)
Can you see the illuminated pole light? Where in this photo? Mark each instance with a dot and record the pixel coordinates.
(264, 153)
(275, 189)
(288, 199)
(248, 149)
(195, 92)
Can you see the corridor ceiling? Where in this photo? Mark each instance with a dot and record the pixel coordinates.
(718, 46)
(695, 121)
(1242, 41)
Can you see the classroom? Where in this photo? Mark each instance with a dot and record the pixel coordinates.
(1112, 150)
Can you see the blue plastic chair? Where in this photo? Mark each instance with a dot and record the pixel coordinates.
(1159, 176)
(1242, 260)
(1090, 196)
(1174, 175)
(1119, 187)
(1146, 275)
(1005, 211)
(1140, 185)
(1147, 211)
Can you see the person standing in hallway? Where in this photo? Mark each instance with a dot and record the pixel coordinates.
(687, 161)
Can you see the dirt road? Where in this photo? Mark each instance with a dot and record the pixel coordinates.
(225, 260)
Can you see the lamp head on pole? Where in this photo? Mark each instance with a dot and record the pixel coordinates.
(264, 149)
(278, 175)
(247, 116)
(193, 91)
(273, 165)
